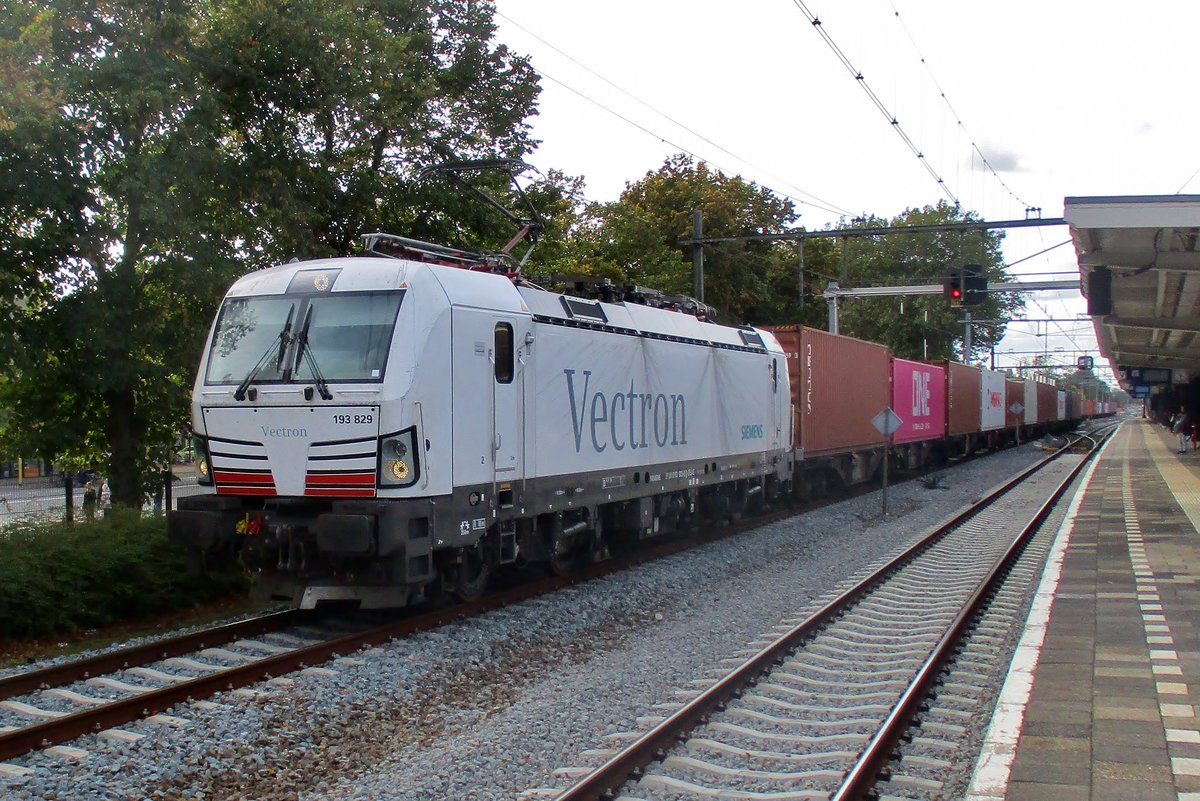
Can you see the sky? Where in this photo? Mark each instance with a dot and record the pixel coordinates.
(1013, 105)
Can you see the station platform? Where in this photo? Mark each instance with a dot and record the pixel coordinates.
(1102, 702)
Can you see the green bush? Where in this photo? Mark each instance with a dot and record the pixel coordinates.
(63, 577)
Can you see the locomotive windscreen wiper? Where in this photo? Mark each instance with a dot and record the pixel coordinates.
(284, 339)
(302, 352)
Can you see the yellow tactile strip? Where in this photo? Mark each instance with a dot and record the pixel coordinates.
(1179, 473)
(1179, 718)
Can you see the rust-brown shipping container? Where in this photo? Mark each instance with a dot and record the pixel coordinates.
(839, 385)
(1014, 394)
(1047, 405)
(963, 397)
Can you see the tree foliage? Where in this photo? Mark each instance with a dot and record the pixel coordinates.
(924, 326)
(636, 239)
(149, 153)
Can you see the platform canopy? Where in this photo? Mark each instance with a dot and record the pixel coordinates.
(1149, 323)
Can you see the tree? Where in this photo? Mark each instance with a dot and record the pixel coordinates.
(154, 151)
(747, 281)
(335, 108)
(923, 327)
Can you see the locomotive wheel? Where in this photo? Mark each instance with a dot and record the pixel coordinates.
(565, 565)
(469, 578)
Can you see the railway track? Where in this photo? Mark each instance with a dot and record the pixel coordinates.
(820, 711)
(46, 708)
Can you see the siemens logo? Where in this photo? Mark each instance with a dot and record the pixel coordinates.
(752, 432)
(284, 432)
(620, 419)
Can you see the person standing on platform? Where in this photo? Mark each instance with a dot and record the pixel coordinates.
(1183, 428)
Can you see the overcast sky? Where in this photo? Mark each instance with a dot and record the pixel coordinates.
(1061, 98)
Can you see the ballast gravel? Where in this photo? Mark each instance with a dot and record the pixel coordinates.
(491, 706)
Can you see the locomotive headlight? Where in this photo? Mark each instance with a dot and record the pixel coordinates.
(203, 468)
(398, 463)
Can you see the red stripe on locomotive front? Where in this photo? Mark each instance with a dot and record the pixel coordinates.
(341, 492)
(340, 479)
(230, 477)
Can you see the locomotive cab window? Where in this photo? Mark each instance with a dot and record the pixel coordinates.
(504, 353)
(248, 330)
(349, 336)
(281, 338)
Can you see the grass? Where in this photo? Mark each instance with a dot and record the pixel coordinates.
(60, 581)
(21, 652)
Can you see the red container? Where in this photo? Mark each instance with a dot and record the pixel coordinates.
(963, 383)
(919, 400)
(1047, 406)
(1014, 393)
(839, 385)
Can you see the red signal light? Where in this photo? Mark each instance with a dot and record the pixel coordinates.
(955, 293)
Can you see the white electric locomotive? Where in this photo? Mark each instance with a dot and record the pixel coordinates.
(377, 428)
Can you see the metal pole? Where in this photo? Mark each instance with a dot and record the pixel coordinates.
(698, 254)
(801, 282)
(832, 300)
(69, 489)
(966, 337)
(887, 447)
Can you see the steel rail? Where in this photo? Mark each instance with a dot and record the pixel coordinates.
(865, 773)
(70, 672)
(154, 700)
(124, 710)
(609, 777)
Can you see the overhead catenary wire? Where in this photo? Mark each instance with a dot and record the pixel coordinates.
(1191, 178)
(816, 201)
(1039, 253)
(875, 99)
(665, 140)
(954, 112)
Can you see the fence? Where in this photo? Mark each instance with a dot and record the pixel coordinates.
(45, 497)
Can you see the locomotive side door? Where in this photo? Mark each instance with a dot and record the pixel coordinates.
(508, 408)
(488, 408)
(780, 400)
